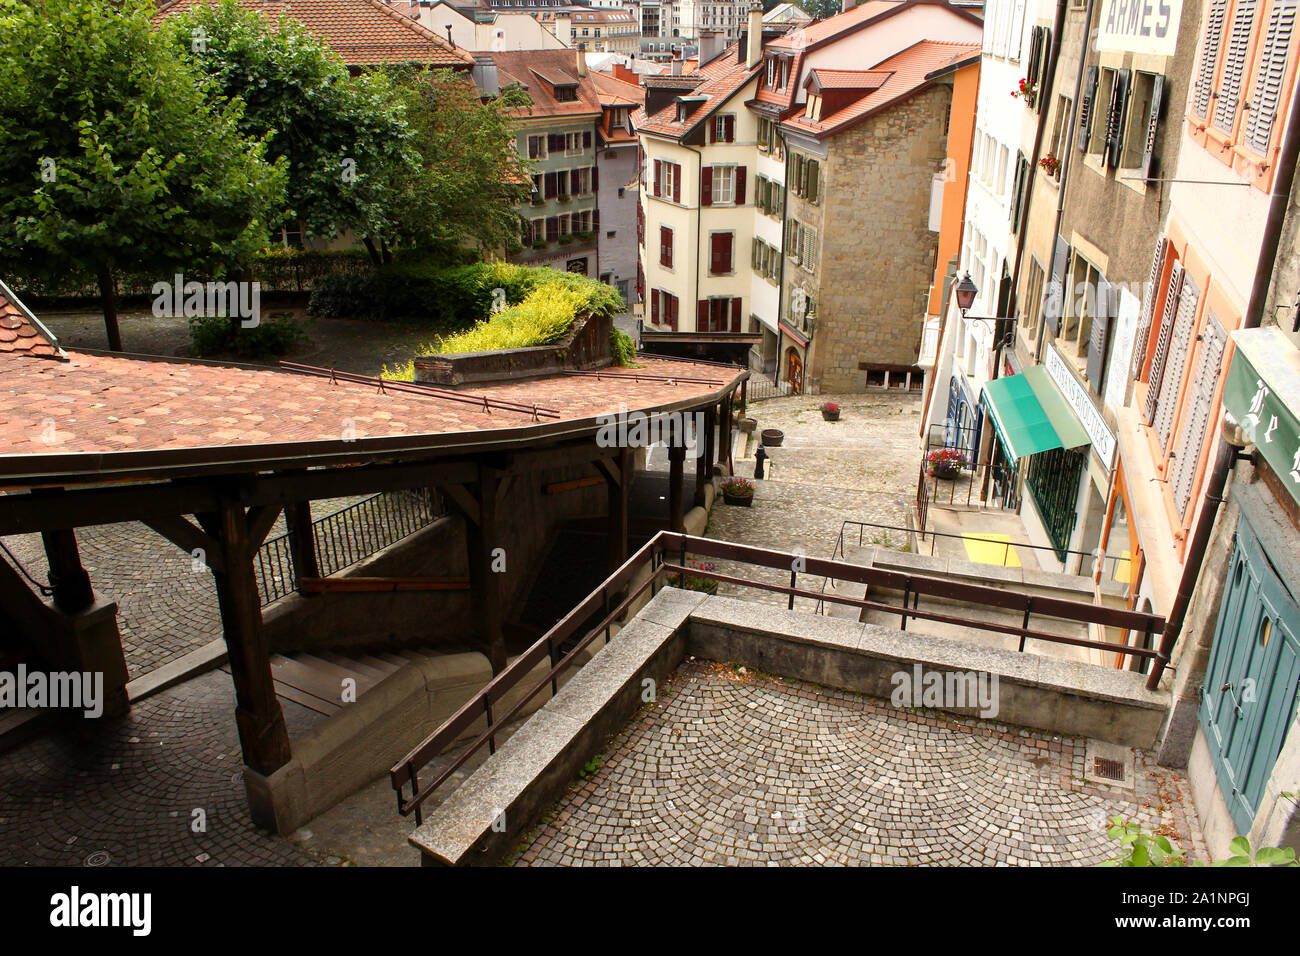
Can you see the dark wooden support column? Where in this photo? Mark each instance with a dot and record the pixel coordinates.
(710, 439)
(703, 469)
(302, 542)
(71, 583)
(676, 460)
(482, 536)
(618, 481)
(724, 436)
(262, 733)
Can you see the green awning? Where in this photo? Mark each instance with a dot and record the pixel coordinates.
(1031, 414)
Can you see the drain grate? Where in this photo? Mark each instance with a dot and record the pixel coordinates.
(1110, 769)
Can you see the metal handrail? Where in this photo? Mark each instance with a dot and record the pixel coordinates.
(616, 594)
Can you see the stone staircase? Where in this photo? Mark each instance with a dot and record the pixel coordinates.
(316, 680)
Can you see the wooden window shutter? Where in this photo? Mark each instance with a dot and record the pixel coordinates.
(677, 183)
(741, 174)
(735, 314)
(798, 174)
(706, 186)
(672, 312)
(552, 228)
(1270, 75)
(1153, 124)
(1234, 66)
(552, 185)
(702, 316)
(586, 139)
(665, 247)
(1085, 108)
(713, 129)
(555, 142)
(1055, 298)
(813, 167)
(1031, 69)
(754, 253)
(659, 177)
(1200, 409)
(731, 129)
(654, 306)
(1180, 347)
(1099, 342)
(1114, 145)
(595, 178)
(1149, 296)
(1161, 353)
(1211, 41)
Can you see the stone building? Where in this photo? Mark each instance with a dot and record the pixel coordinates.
(618, 160)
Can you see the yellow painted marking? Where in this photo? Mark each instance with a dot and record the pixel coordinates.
(991, 549)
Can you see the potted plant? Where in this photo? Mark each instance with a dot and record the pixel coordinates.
(538, 200)
(1026, 89)
(738, 491)
(566, 238)
(772, 437)
(564, 197)
(944, 463)
(831, 411)
(694, 582)
(1050, 164)
(539, 243)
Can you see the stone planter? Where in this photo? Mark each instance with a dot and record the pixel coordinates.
(747, 425)
(744, 501)
(772, 437)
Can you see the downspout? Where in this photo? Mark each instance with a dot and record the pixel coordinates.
(1227, 452)
(1070, 146)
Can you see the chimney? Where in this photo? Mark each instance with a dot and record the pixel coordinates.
(847, 5)
(449, 37)
(676, 67)
(582, 59)
(485, 76)
(754, 39)
(710, 45)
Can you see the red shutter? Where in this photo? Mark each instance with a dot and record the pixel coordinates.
(713, 129)
(672, 312)
(665, 247)
(720, 253)
(677, 183)
(552, 229)
(706, 186)
(654, 307)
(550, 184)
(595, 179)
(735, 314)
(659, 177)
(702, 316)
(586, 139)
(731, 129)
(740, 185)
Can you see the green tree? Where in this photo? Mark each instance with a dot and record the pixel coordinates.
(821, 9)
(114, 158)
(467, 176)
(343, 137)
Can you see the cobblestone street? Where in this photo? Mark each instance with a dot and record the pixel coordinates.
(731, 769)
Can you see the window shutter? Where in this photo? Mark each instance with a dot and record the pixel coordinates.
(1055, 299)
(1153, 124)
(754, 253)
(1209, 65)
(1180, 346)
(552, 187)
(798, 174)
(1200, 408)
(659, 177)
(810, 249)
(1085, 108)
(735, 314)
(1149, 295)
(555, 142)
(595, 178)
(677, 183)
(654, 307)
(812, 180)
(1234, 66)
(665, 247)
(1156, 376)
(713, 129)
(1035, 50)
(1103, 321)
(728, 243)
(1269, 76)
(586, 139)
(552, 228)
(1114, 146)
(706, 186)
(702, 316)
(741, 173)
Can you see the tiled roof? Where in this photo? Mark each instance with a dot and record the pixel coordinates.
(360, 32)
(537, 70)
(847, 79)
(908, 68)
(822, 30)
(614, 92)
(21, 333)
(722, 78)
(104, 404)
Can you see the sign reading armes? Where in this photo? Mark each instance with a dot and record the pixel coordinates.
(1140, 26)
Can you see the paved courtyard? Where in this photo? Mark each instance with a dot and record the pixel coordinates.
(743, 769)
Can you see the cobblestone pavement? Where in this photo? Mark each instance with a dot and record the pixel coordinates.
(735, 769)
(128, 795)
(862, 467)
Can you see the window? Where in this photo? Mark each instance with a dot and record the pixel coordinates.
(722, 185)
(766, 261)
(665, 247)
(537, 147)
(720, 253)
(719, 314)
(722, 129)
(537, 230)
(580, 182)
(1060, 129)
(806, 178)
(1040, 51)
(575, 143)
(1034, 296)
(566, 93)
(1019, 190)
(663, 308)
(667, 184)
(1269, 85)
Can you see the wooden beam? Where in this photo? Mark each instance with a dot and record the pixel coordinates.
(365, 585)
(71, 583)
(676, 460)
(611, 469)
(463, 501)
(559, 487)
(189, 539)
(482, 539)
(302, 541)
(618, 486)
(261, 519)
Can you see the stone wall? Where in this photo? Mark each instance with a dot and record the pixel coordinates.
(877, 255)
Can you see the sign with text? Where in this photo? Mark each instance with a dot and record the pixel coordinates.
(1076, 396)
(1139, 26)
(1262, 395)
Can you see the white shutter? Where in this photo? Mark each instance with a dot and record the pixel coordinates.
(1210, 44)
(1200, 407)
(1149, 295)
(1269, 77)
(1156, 377)
(1234, 66)
(1180, 346)
(1017, 30)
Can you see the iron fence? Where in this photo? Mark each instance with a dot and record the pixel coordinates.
(760, 387)
(347, 536)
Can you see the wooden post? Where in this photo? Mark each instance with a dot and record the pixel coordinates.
(703, 471)
(617, 497)
(302, 542)
(71, 583)
(710, 439)
(676, 460)
(262, 733)
(724, 435)
(485, 583)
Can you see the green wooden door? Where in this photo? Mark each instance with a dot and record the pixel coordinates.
(1249, 697)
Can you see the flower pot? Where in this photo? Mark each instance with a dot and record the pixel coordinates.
(830, 416)
(772, 437)
(743, 500)
(747, 425)
(947, 472)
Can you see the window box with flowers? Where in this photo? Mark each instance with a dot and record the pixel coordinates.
(830, 411)
(1026, 89)
(1051, 164)
(944, 463)
(695, 582)
(738, 491)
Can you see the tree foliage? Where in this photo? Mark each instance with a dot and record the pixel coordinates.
(113, 155)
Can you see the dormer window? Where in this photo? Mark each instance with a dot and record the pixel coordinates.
(771, 72)
(566, 93)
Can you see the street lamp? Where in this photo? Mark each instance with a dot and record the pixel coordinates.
(966, 292)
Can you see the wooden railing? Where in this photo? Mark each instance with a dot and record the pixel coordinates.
(562, 644)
